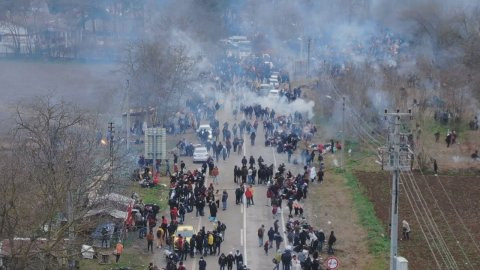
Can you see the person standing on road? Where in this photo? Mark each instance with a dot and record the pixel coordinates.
(260, 234)
(167, 167)
(202, 264)
(238, 195)
(244, 173)
(249, 176)
(321, 240)
(244, 161)
(252, 138)
(249, 196)
(224, 199)
(150, 239)
(276, 226)
(331, 241)
(213, 211)
(160, 237)
(215, 173)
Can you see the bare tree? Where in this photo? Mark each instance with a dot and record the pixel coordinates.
(160, 73)
(52, 167)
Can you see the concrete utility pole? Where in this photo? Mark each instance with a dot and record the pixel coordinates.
(308, 56)
(398, 152)
(154, 160)
(343, 134)
(70, 217)
(110, 129)
(128, 115)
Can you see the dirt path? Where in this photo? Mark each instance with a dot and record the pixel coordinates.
(332, 210)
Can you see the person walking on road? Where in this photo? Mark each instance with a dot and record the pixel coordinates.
(224, 200)
(230, 261)
(215, 173)
(239, 260)
(202, 264)
(276, 260)
(252, 138)
(222, 261)
(271, 236)
(287, 260)
(331, 241)
(278, 241)
(266, 247)
(260, 234)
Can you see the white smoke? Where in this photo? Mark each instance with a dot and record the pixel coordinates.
(280, 105)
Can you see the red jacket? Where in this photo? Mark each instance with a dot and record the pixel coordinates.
(249, 193)
(174, 213)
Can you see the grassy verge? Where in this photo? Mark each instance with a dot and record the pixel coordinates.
(129, 258)
(156, 195)
(378, 244)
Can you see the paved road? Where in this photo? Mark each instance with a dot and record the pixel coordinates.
(242, 222)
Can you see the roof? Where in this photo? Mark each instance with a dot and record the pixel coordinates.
(111, 212)
(185, 228)
(114, 197)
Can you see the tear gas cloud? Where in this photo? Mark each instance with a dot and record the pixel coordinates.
(280, 104)
(379, 32)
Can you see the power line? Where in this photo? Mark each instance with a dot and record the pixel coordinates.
(362, 133)
(411, 201)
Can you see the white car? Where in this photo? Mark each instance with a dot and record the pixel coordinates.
(273, 81)
(207, 128)
(274, 93)
(200, 154)
(264, 89)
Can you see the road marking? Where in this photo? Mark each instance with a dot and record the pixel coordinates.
(244, 229)
(241, 237)
(281, 208)
(244, 209)
(199, 224)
